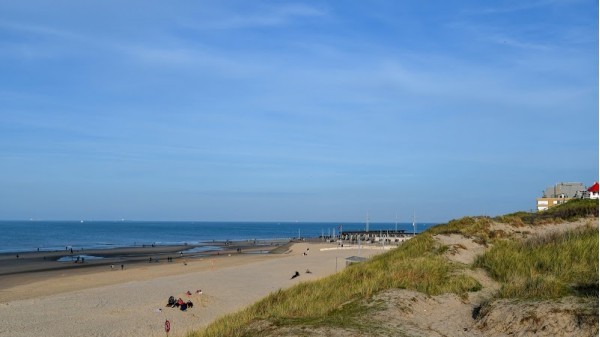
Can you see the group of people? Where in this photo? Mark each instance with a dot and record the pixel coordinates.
(179, 303)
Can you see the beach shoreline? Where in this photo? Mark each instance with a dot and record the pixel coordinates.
(101, 301)
(33, 266)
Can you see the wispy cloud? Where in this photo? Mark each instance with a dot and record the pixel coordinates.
(255, 97)
(36, 29)
(518, 6)
(40, 42)
(263, 16)
(161, 55)
(516, 43)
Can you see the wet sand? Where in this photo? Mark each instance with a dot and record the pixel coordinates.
(28, 267)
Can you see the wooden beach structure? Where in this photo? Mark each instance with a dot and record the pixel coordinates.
(379, 236)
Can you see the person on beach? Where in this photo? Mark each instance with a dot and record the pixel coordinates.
(296, 274)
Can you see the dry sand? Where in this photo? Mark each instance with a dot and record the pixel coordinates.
(131, 302)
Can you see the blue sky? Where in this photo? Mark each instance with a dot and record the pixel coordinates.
(293, 111)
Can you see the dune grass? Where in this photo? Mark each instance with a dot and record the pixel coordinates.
(416, 265)
(477, 228)
(569, 211)
(551, 266)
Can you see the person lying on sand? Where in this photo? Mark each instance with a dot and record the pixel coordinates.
(171, 302)
(186, 305)
(296, 274)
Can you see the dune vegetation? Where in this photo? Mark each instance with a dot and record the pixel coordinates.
(417, 265)
(551, 266)
(546, 267)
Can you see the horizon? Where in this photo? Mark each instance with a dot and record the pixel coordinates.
(314, 112)
(221, 221)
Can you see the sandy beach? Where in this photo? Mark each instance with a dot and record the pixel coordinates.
(102, 301)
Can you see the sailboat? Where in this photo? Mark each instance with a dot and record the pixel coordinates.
(414, 225)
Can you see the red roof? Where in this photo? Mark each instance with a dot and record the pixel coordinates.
(594, 188)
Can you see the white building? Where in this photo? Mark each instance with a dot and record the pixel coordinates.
(563, 192)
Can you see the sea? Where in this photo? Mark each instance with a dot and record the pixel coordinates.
(33, 235)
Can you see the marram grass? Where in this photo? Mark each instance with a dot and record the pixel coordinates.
(551, 266)
(417, 265)
(572, 210)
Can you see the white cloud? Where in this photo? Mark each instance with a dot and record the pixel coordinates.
(263, 17)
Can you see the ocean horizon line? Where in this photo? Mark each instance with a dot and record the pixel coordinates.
(26, 235)
(225, 221)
